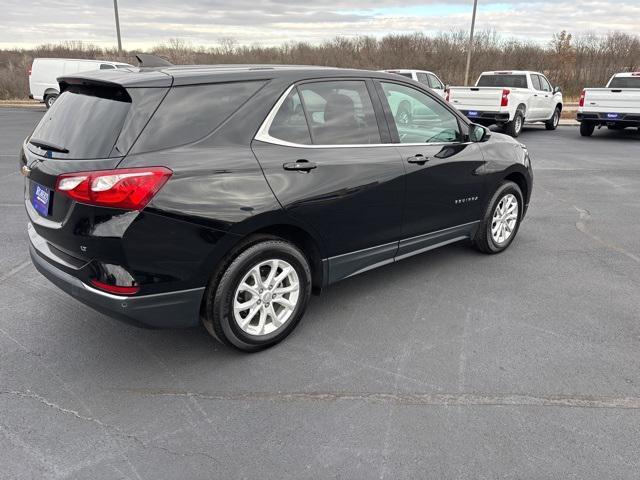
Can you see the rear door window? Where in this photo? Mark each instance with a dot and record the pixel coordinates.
(535, 80)
(190, 113)
(290, 124)
(423, 79)
(340, 113)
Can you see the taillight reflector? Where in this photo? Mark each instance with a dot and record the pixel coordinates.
(115, 289)
(126, 188)
(581, 103)
(504, 102)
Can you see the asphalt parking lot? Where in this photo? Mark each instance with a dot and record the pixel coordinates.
(450, 365)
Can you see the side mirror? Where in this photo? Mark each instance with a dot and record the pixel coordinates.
(478, 133)
(557, 90)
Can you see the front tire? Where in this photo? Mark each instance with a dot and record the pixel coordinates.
(501, 220)
(514, 127)
(260, 297)
(587, 128)
(553, 122)
(49, 100)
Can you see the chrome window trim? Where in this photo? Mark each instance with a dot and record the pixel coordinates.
(263, 133)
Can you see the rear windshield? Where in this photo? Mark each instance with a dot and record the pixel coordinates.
(512, 81)
(625, 82)
(190, 113)
(83, 123)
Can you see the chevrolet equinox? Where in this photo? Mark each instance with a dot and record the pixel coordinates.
(226, 195)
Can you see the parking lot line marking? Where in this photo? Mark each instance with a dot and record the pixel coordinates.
(424, 399)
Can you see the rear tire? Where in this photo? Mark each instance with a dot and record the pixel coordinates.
(49, 100)
(587, 128)
(553, 122)
(501, 219)
(274, 305)
(514, 127)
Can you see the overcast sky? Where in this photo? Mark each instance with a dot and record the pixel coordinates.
(206, 22)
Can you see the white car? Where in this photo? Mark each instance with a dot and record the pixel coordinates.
(509, 99)
(425, 77)
(43, 74)
(617, 106)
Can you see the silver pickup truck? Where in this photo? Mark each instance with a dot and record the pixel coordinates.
(617, 106)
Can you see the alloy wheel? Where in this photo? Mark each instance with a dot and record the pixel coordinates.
(505, 219)
(266, 297)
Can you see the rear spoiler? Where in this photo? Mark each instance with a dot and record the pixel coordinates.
(146, 60)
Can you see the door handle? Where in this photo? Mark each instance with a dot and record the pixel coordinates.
(419, 159)
(300, 165)
(535, 94)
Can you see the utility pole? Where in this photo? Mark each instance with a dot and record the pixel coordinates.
(473, 26)
(115, 9)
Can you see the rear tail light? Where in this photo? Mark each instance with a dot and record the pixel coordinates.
(504, 102)
(447, 94)
(29, 71)
(581, 102)
(126, 188)
(115, 289)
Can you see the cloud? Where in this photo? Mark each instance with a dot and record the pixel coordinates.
(205, 22)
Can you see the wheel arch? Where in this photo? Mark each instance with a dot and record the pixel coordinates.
(520, 180)
(50, 91)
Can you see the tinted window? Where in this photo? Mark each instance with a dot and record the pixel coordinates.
(625, 82)
(510, 81)
(546, 86)
(340, 113)
(434, 82)
(106, 66)
(289, 124)
(535, 81)
(420, 118)
(86, 121)
(190, 113)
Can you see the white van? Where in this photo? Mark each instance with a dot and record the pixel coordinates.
(43, 84)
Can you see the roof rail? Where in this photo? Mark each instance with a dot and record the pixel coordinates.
(148, 60)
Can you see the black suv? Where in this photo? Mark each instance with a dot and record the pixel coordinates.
(228, 194)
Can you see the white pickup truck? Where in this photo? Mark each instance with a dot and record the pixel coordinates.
(509, 99)
(424, 77)
(617, 106)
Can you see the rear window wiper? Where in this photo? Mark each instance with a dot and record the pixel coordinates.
(48, 145)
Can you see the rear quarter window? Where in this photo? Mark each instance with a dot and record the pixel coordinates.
(190, 113)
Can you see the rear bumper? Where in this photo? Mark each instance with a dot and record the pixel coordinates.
(179, 309)
(610, 118)
(486, 117)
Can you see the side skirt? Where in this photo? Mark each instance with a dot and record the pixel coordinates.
(353, 263)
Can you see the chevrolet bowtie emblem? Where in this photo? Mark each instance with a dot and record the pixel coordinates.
(26, 171)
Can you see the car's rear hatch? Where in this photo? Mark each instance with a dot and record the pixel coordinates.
(91, 126)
